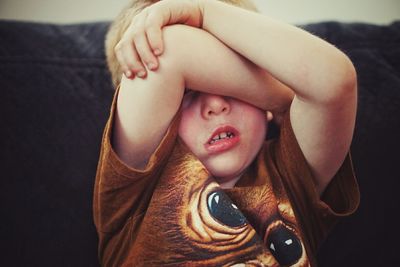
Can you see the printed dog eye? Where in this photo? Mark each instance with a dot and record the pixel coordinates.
(284, 245)
(224, 211)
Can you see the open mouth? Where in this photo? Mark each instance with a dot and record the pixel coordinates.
(223, 138)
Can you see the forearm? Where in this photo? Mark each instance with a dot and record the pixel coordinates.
(207, 65)
(145, 109)
(313, 68)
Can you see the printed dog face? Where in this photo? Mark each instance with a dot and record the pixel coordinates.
(191, 221)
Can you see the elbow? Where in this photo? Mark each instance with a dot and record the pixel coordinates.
(348, 81)
(330, 82)
(341, 88)
(345, 87)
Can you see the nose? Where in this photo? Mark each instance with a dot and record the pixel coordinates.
(213, 105)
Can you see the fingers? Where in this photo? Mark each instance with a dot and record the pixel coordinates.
(142, 42)
(144, 51)
(140, 45)
(154, 37)
(129, 59)
(153, 28)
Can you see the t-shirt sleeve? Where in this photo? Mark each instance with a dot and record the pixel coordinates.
(317, 214)
(122, 193)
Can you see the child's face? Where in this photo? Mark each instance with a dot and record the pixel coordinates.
(224, 133)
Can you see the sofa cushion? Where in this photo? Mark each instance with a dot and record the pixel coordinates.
(55, 95)
(371, 235)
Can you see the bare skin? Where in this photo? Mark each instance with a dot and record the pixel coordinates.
(261, 62)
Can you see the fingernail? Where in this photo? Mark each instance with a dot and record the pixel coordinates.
(128, 74)
(151, 66)
(157, 52)
(141, 74)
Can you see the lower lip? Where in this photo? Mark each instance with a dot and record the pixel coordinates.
(222, 145)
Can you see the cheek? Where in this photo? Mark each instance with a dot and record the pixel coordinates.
(255, 127)
(255, 122)
(259, 127)
(188, 128)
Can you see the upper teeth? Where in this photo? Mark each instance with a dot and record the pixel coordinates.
(221, 136)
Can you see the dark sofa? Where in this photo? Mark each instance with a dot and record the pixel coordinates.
(55, 99)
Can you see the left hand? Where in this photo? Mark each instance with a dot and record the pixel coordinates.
(142, 42)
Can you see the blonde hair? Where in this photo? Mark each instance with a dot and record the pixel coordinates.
(122, 21)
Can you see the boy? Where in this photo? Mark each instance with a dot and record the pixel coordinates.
(185, 177)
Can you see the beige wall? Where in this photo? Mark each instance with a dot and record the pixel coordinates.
(304, 11)
(294, 11)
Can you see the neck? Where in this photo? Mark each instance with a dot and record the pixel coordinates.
(230, 183)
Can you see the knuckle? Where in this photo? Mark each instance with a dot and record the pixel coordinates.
(118, 48)
(135, 34)
(133, 63)
(137, 29)
(145, 55)
(120, 58)
(121, 45)
(147, 10)
(150, 20)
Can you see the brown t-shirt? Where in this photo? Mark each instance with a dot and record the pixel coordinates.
(173, 213)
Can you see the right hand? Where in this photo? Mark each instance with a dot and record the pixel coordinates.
(142, 42)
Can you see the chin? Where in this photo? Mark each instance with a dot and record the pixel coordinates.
(226, 169)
